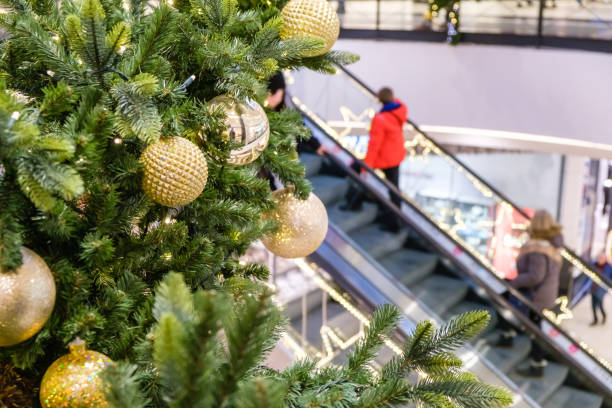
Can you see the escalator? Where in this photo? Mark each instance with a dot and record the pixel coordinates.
(435, 266)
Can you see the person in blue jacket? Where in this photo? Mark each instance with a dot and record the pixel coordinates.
(597, 292)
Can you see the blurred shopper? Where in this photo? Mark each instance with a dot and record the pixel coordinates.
(277, 88)
(277, 92)
(539, 266)
(385, 152)
(597, 292)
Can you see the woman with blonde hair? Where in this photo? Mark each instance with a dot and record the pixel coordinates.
(539, 267)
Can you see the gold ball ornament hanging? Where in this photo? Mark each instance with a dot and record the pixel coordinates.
(310, 19)
(302, 225)
(247, 126)
(27, 296)
(175, 171)
(73, 380)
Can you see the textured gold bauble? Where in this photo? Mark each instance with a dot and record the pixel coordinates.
(247, 125)
(73, 380)
(303, 225)
(27, 296)
(310, 19)
(175, 171)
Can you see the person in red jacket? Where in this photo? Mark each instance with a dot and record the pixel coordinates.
(385, 150)
(386, 146)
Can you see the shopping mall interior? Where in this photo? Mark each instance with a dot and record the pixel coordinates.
(306, 203)
(512, 119)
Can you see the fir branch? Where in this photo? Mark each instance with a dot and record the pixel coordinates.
(123, 386)
(253, 330)
(426, 349)
(118, 37)
(260, 393)
(383, 321)
(463, 391)
(171, 356)
(58, 99)
(154, 41)
(174, 298)
(11, 230)
(31, 37)
(18, 6)
(136, 113)
(94, 34)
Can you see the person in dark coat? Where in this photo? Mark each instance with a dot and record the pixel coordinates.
(597, 292)
(539, 263)
(539, 267)
(277, 92)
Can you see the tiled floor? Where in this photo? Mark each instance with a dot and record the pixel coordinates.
(599, 337)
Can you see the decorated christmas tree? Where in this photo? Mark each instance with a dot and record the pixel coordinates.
(131, 137)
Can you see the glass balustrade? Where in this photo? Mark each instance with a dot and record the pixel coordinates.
(560, 18)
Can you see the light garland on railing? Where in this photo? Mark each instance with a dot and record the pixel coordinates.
(592, 353)
(578, 264)
(334, 294)
(329, 335)
(565, 311)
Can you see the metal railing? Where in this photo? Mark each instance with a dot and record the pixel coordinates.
(561, 23)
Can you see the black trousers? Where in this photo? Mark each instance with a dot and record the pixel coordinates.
(597, 303)
(355, 195)
(537, 353)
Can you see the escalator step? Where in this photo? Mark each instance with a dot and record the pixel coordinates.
(540, 389)
(348, 221)
(440, 293)
(410, 266)
(312, 163)
(329, 189)
(568, 397)
(467, 306)
(376, 242)
(505, 359)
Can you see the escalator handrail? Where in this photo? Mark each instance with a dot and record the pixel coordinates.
(607, 281)
(497, 297)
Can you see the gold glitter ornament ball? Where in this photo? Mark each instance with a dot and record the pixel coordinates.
(175, 171)
(303, 225)
(73, 380)
(247, 126)
(310, 19)
(27, 296)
